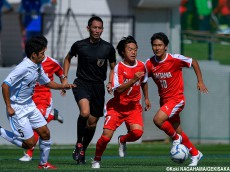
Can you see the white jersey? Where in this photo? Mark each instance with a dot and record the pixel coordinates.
(22, 81)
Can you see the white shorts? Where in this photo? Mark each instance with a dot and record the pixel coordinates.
(27, 117)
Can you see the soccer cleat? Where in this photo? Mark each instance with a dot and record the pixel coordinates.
(122, 148)
(196, 159)
(57, 116)
(81, 158)
(95, 164)
(25, 158)
(47, 166)
(177, 141)
(79, 154)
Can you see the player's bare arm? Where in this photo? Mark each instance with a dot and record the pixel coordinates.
(109, 85)
(63, 92)
(66, 66)
(6, 96)
(144, 87)
(200, 85)
(129, 84)
(57, 86)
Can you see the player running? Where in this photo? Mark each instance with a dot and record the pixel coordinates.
(166, 71)
(43, 99)
(129, 75)
(93, 56)
(17, 90)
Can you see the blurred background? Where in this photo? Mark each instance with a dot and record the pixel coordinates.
(196, 28)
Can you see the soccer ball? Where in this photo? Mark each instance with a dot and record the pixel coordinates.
(179, 153)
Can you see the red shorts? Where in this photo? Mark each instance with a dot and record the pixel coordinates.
(117, 114)
(172, 107)
(43, 102)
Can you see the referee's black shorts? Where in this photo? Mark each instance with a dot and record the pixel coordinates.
(94, 92)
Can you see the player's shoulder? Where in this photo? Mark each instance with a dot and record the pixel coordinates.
(150, 60)
(105, 43)
(176, 56)
(80, 43)
(24, 66)
(141, 63)
(50, 60)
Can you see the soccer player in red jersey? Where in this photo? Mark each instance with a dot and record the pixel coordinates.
(42, 97)
(166, 71)
(129, 75)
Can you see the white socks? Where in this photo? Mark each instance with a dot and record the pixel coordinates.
(9, 136)
(44, 146)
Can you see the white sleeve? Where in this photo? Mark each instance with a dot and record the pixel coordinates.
(15, 76)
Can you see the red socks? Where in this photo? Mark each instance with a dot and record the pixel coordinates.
(50, 118)
(30, 151)
(185, 141)
(100, 147)
(169, 130)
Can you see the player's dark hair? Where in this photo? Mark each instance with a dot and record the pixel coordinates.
(90, 21)
(161, 36)
(123, 42)
(35, 45)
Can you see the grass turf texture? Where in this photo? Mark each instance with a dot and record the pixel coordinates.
(199, 51)
(140, 157)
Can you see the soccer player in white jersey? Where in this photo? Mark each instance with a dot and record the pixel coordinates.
(129, 76)
(42, 97)
(166, 71)
(22, 113)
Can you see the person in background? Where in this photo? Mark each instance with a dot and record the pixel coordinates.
(8, 8)
(93, 55)
(30, 19)
(204, 11)
(42, 97)
(166, 71)
(223, 11)
(48, 9)
(129, 76)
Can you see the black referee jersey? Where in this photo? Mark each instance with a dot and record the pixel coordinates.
(92, 59)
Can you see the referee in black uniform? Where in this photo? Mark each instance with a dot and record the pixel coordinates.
(93, 54)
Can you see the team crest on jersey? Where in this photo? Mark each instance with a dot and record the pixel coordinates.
(100, 62)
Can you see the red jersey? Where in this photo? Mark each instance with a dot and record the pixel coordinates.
(167, 74)
(124, 73)
(51, 67)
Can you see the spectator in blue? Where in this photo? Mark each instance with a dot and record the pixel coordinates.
(5, 8)
(30, 19)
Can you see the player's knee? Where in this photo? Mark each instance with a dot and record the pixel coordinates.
(28, 144)
(84, 114)
(136, 134)
(45, 135)
(156, 121)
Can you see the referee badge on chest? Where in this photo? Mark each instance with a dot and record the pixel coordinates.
(100, 62)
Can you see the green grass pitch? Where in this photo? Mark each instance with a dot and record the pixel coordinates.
(140, 157)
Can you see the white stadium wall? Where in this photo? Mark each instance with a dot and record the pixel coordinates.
(205, 118)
